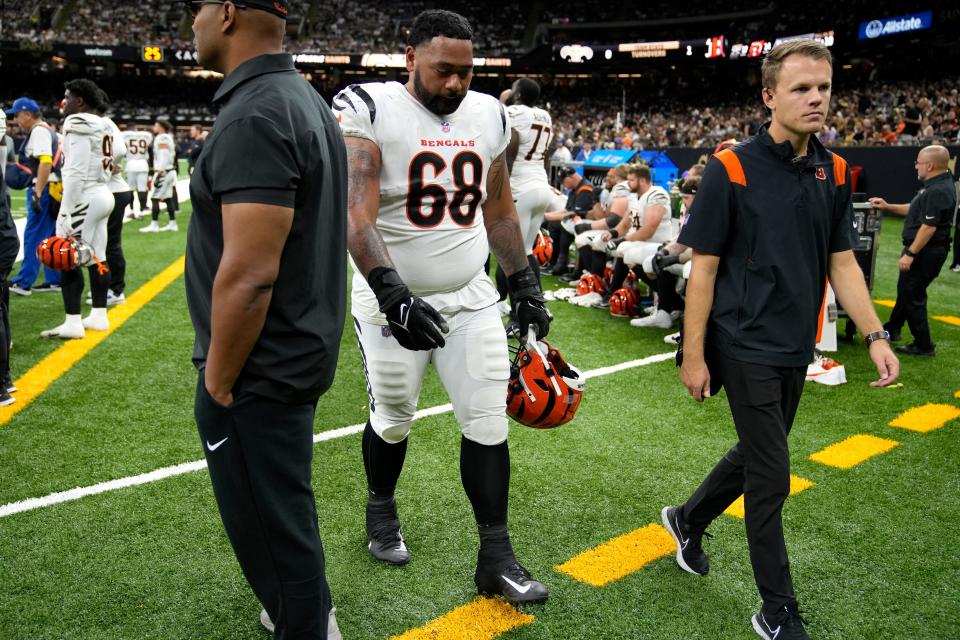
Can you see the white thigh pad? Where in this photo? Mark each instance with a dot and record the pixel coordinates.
(474, 367)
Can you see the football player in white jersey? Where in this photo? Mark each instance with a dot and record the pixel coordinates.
(138, 145)
(528, 160)
(123, 197)
(646, 226)
(87, 203)
(164, 177)
(429, 197)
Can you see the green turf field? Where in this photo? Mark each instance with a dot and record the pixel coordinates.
(872, 547)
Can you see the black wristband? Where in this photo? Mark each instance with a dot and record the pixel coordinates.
(907, 252)
(614, 234)
(582, 227)
(387, 286)
(523, 284)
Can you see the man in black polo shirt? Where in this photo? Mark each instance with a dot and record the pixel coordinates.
(926, 241)
(771, 221)
(266, 287)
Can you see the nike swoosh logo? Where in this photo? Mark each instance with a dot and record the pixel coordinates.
(676, 525)
(403, 316)
(775, 632)
(214, 447)
(513, 584)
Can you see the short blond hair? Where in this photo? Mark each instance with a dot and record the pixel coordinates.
(770, 71)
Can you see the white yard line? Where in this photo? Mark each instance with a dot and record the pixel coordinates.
(179, 469)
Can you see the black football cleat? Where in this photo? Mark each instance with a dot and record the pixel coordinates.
(786, 624)
(511, 582)
(690, 555)
(384, 538)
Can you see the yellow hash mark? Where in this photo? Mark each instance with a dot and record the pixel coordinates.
(954, 320)
(853, 451)
(484, 618)
(620, 556)
(956, 394)
(44, 373)
(926, 418)
(797, 484)
(885, 303)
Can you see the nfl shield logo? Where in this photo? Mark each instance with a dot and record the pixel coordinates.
(385, 331)
(445, 126)
(821, 174)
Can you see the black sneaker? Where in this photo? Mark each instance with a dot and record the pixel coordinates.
(570, 278)
(690, 555)
(913, 350)
(787, 624)
(6, 398)
(46, 287)
(7, 383)
(511, 582)
(384, 538)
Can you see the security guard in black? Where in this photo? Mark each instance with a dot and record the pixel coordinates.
(776, 238)
(926, 242)
(933, 205)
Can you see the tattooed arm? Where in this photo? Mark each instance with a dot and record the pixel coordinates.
(500, 219)
(363, 200)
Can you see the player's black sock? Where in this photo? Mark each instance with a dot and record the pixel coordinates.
(485, 473)
(156, 210)
(143, 201)
(71, 288)
(583, 258)
(620, 271)
(599, 263)
(382, 461)
(502, 287)
(99, 283)
(172, 209)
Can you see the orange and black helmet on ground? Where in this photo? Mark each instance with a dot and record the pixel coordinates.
(624, 302)
(543, 248)
(544, 391)
(590, 283)
(59, 254)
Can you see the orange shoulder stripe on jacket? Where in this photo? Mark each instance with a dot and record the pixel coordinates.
(585, 187)
(732, 164)
(839, 171)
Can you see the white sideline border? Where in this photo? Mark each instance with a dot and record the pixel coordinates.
(187, 467)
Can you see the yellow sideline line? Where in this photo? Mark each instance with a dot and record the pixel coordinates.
(926, 418)
(620, 556)
(884, 303)
(44, 373)
(797, 484)
(482, 619)
(954, 320)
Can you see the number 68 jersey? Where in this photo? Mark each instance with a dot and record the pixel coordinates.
(433, 182)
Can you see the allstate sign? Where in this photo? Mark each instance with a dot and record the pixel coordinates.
(897, 24)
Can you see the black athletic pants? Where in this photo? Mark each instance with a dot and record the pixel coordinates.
(956, 246)
(259, 454)
(911, 306)
(115, 259)
(763, 400)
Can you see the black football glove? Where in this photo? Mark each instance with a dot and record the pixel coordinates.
(414, 323)
(528, 303)
(661, 262)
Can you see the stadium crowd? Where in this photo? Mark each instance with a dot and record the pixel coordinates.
(879, 115)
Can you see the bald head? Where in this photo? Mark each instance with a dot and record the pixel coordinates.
(937, 155)
(227, 35)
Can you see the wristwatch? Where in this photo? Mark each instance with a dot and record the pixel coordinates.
(907, 252)
(870, 338)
